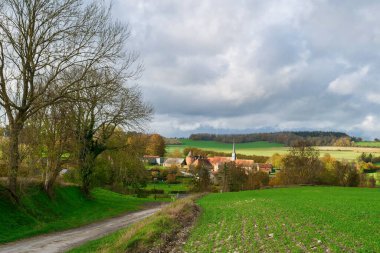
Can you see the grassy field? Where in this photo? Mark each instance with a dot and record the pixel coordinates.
(368, 144)
(305, 219)
(268, 149)
(243, 148)
(38, 214)
(168, 187)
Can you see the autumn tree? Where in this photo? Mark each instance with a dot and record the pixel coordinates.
(155, 145)
(41, 40)
(237, 176)
(201, 180)
(120, 166)
(346, 174)
(301, 165)
(224, 175)
(256, 180)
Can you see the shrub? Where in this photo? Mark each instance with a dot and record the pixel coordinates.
(301, 165)
(257, 180)
(346, 174)
(372, 182)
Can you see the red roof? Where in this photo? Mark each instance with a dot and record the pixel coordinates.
(202, 162)
(219, 159)
(265, 167)
(245, 162)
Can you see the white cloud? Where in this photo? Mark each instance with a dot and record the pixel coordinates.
(349, 83)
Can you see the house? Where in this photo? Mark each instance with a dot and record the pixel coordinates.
(153, 160)
(169, 162)
(150, 159)
(245, 163)
(202, 162)
(160, 161)
(218, 162)
(266, 167)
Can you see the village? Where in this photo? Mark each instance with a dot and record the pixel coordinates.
(213, 164)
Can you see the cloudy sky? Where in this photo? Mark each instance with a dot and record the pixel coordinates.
(226, 66)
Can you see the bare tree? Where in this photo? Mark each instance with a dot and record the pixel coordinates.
(98, 111)
(40, 40)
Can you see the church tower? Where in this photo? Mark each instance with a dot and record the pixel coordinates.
(233, 158)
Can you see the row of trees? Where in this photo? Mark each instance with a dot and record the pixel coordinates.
(64, 66)
(304, 166)
(316, 138)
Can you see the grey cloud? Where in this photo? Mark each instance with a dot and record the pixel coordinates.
(253, 65)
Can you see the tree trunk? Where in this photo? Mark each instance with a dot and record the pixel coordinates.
(50, 180)
(87, 166)
(14, 159)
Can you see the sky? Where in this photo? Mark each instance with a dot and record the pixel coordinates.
(223, 66)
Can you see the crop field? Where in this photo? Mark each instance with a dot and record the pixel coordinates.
(249, 148)
(368, 144)
(302, 219)
(263, 148)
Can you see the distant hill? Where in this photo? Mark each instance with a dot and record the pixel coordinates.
(317, 138)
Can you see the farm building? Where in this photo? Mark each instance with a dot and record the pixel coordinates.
(266, 167)
(202, 162)
(153, 160)
(169, 162)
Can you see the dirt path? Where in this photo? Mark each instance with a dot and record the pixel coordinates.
(65, 240)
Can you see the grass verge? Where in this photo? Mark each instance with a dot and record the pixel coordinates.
(37, 214)
(162, 232)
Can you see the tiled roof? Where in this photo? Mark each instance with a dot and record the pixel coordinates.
(203, 162)
(175, 161)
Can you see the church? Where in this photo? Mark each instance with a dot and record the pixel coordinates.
(217, 162)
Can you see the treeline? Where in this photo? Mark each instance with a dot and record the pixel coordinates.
(210, 153)
(172, 141)
(303, 166)
(316, 138)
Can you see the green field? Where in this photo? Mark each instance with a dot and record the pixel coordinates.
(168, 187)
(224, 147)
(303, 219)
(368, 144)
(38, 214)
(249, 148)
(263, 148)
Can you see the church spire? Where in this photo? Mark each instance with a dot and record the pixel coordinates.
(233, 158)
